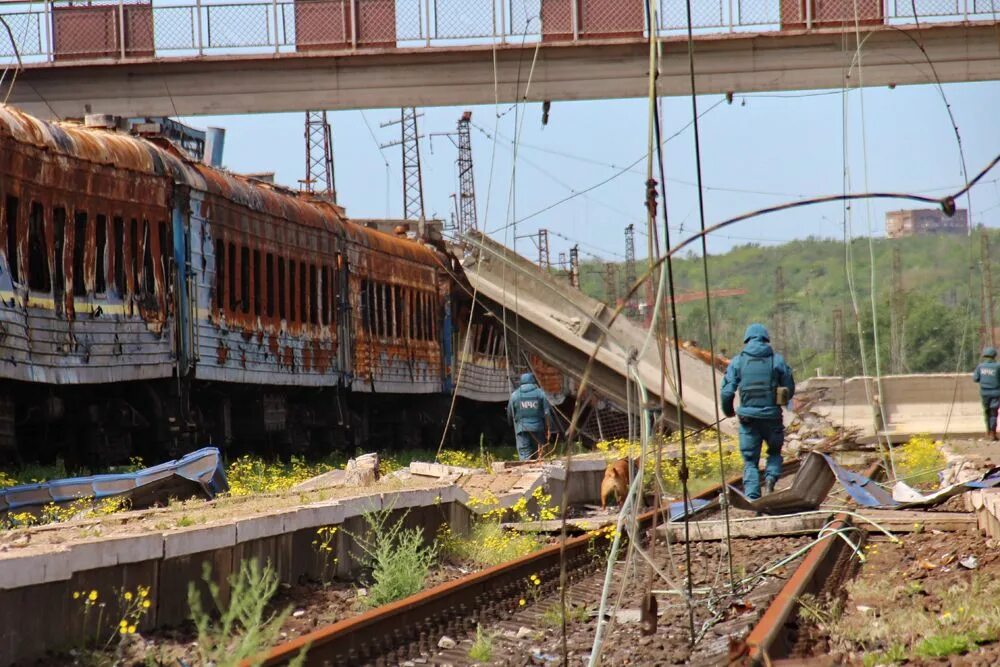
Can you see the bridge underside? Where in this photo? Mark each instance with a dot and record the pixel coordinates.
(377, 78)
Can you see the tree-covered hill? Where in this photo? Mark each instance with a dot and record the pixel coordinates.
(938, 299)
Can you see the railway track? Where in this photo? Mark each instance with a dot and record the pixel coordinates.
(515, 604)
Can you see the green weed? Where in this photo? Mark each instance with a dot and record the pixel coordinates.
(397, 556)
(943, 645)
(244, 628)
(482, 647)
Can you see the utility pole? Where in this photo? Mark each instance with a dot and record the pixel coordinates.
(574, 266)
(631, 311)
(562, 261)
(466, 185)
(413, 187)
(897, 300)
(611, 284)
(988, 335)
(838, 342)
(779, 307)
(319, 178)
(544, 261)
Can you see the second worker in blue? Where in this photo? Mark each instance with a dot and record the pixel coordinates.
(764, 383)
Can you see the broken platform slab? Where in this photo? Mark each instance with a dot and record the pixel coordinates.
(765, 526)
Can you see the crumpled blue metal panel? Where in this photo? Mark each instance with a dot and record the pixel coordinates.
(198, 473)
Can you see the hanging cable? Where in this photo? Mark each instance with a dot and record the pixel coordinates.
(708, 294)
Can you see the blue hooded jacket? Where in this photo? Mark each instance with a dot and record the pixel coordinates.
(757, 345)
(987, 374)
(528, 408)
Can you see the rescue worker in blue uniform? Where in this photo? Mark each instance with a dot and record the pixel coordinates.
(987, 374)
(528, 410)
(765, 383)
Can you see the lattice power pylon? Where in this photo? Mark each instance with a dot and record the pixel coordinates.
(574, 266)
(319, 178)
(632, 312)
(413, 185)
(544, 261)
(611, 284)
(467, 220)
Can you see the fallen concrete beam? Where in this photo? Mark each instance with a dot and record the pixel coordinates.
(935, 404)
(911, 521)
(564, 326)
(765, 526)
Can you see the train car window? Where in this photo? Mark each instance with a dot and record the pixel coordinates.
(220, 274)
(281, 287)
(293, 298)
(10, 218)
(303, 294)
(364, 307)
(79, 244)
(59, 240)
(231, 277)
(314, 295)
(399, 328)
(324, 293)
(257, 305)
(100, 250)
(38, 251)
(119, 255)
(408, 308)
(419, 296)
(148, 285)
(245, 279)
(428, 314)
(166, 253)
(133, 245)
(269, 291)
(431, 318)
(383, 310)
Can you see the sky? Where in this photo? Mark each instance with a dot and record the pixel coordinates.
(759, 150)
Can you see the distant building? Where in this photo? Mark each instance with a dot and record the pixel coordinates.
(924, 221)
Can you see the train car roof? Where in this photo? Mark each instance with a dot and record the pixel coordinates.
(159, 157)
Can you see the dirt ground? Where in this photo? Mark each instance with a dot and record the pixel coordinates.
(906, 593)
(532, 635)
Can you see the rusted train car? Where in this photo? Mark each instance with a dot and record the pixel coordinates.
(151, 302)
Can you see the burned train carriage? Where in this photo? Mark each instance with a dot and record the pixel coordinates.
(150, 303)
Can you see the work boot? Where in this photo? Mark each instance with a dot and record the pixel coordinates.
(993, 435)
(768, 487)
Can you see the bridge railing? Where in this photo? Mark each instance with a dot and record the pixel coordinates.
(65, 30)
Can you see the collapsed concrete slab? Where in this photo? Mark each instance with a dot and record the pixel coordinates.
(563, 326)
(937, 404)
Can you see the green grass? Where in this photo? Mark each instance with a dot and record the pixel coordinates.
(945, 644)
(482, 647)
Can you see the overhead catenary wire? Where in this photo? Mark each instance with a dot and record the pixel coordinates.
(708, 293)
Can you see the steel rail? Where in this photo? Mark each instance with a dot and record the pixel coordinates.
(413, 623)
(770, 639)
(398, 629)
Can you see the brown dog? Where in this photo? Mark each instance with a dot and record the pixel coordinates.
(616, 479)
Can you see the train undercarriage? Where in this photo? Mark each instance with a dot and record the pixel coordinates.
(109, 424)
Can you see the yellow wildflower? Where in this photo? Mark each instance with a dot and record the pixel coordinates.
(93, 596)
(76, 595)
(521, 602)
(145, 604)
(128, 595)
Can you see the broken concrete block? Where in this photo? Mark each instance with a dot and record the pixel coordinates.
(329, 479)
(362, 471)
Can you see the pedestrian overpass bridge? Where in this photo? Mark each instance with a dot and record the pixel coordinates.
(188, 57)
